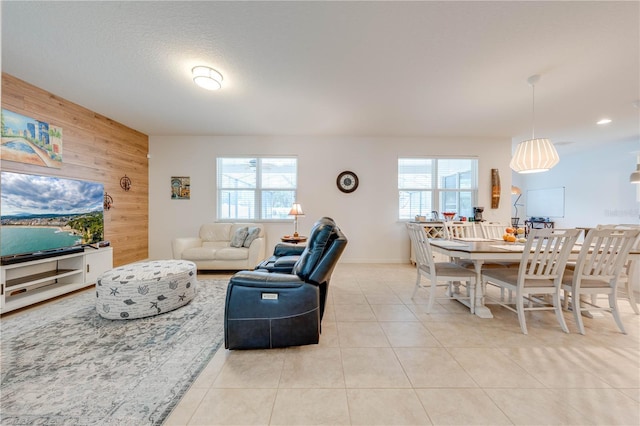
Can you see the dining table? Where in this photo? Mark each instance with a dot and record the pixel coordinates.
(478, 251)
(482, 250)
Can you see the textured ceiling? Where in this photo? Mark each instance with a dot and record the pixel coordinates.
(339, 68)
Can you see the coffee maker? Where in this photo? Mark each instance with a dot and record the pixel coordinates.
(477, 214)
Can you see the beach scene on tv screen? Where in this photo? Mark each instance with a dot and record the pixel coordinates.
(44, 212)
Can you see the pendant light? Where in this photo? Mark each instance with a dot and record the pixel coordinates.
(635, 176)
(534, 155)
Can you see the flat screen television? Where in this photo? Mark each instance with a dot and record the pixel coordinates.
(42, 216)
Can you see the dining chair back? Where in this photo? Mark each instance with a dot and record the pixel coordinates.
(602, 257)
(451, 273)
(631, 267)
(423, 252)
(493, 230)
(459, 229)
(540, 273)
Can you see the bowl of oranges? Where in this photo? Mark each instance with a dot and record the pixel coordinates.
(514, 235)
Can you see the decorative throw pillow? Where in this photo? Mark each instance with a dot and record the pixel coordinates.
(254, 231)
(239, 236)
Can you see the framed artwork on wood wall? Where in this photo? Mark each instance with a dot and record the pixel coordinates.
(30, 141)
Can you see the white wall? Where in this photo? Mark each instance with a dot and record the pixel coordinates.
(368, 216)
(597, 188)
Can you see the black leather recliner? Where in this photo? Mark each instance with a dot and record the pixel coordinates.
(284, 258)
(274, 309)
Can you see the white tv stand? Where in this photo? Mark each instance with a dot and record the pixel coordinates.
(26, 283)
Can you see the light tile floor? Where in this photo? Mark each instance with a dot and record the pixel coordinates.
(382, 360)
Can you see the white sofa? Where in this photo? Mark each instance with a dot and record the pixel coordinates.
(213, 248)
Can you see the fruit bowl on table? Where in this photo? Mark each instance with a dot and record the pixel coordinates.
(448, 216)
(514, 235)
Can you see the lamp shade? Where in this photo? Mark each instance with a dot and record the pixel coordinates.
(635, 176)
(515, 190)
(296, 210)
(534, 156)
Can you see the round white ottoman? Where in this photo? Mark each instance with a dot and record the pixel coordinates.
(146, 288)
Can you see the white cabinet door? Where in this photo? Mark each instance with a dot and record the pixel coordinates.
(97, 262)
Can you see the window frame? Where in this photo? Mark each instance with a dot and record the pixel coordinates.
(436, 190)
(258, 190)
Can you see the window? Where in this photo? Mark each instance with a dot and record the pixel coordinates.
(256, 188)
(436, 184)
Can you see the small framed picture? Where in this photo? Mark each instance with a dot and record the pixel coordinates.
(180, 187)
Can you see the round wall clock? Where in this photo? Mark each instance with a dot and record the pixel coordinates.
(347, 182)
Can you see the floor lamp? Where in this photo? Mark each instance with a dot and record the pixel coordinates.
(515, 220)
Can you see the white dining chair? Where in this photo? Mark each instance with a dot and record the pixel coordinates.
(602, 257)
(624, 282)
(464, 229)
(493, 230)
(459, 229)
(435, 272)
(540, 273)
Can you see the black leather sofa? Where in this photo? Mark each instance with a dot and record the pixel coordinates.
(279, 309)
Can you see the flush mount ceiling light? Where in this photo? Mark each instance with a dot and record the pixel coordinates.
(534, 155)
(604, 121)
(207, 78)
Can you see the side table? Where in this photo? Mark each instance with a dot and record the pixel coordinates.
(294, 240)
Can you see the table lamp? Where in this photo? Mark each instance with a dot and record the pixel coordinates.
(296, 210)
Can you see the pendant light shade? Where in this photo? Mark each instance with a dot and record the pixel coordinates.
(534, 156)
(635, 176)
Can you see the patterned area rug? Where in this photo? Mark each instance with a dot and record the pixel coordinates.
(63, 364)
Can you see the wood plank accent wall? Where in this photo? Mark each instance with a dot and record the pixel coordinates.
(94, 148)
